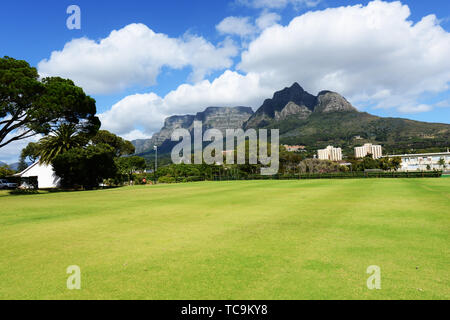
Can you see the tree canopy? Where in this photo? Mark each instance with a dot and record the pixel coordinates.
(64, 138)
(85, 167)
(121, 146)
(29, 106)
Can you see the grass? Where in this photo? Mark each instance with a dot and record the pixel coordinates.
(230, 240)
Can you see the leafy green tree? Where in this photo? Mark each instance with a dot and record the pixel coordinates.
(129, 165)
(63, 139)
(442, 163)
(29, 106)
(22, 165)
(121, 146)
(31, 152)
(6, 172)
(395, 163)
(85, 167)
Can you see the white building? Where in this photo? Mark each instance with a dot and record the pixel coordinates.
(44, 173)
(330, 153)
(423, 161)
(375, 150)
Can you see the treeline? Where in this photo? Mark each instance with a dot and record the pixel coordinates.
(291, 164)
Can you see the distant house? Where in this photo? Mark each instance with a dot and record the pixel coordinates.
(46, 177)
(294, 148)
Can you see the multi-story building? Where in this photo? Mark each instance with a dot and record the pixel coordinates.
(424, 161)
(375, 150)
(330, 153)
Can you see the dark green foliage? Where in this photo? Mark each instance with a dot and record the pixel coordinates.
(340, 128)
(38, 107)
(386, 164)
(63, 139)
(6, 172)
(127, 166)
(121, 146)
(85, 167)
(30, 152)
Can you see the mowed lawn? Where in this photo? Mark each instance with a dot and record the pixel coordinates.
(230, 240)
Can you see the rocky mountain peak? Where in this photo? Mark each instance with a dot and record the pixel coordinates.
(329, 101)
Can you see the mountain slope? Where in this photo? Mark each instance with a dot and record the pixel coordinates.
(314, 121)
(333, 120)
(221, 118)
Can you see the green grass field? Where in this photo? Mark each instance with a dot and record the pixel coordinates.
(230, 240)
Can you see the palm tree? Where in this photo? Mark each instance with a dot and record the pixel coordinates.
(442, 163)
(61, 140)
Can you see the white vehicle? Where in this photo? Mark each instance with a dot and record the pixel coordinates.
(4, 184)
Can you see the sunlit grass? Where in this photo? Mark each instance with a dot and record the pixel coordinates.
(230, 240)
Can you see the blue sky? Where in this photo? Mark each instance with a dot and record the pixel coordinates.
(32, 30)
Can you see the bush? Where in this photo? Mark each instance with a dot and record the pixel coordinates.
(86, 167)
(166, 179)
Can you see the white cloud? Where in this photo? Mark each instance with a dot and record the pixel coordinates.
(278, 4)
(134, 55)
(11, 152)
(147, 111)
(245, 27)
(414, 109)
(135, 135)
(372, 54)
(443, 104)
(267, 19)
(240, 26)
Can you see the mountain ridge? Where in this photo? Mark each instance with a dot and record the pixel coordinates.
(314, 121)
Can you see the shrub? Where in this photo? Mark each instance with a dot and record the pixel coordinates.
(166, 179)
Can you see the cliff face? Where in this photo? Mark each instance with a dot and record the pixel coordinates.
(295, 101)
(224, 118)
(221, 118)
(289, 101)
(332, 102)
(303, 118)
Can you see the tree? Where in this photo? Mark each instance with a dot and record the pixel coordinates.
(442, 163)
(85, 167)
(121, 146)
(31, 152)
(6, 172)
(22, 165)
(395, 163)
(129, 165)
(66, 137)
(29, 107)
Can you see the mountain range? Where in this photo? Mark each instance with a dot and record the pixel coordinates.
(313, 121)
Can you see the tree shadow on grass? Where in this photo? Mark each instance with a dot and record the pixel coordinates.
(25, 192)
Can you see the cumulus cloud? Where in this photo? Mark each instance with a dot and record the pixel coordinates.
(134, 55)
(372, 54)
(267, 19)
(245, 27)
(240, 26)
(147, 111)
